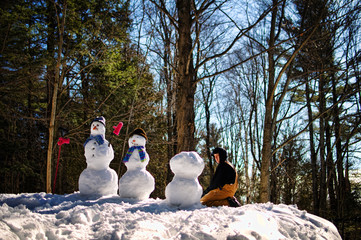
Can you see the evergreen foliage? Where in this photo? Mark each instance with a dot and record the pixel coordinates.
(101, 73)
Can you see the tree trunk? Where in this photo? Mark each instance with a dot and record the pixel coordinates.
(54, 105)
(273, 180)
(186, 80)
(50, 76)
(246, 164)
(208, 137)
(268, 119)
(266, 156)
(323, 186)
(170, 109)
(316, 206)
(170, 131)
(330, 170)
(207, 96)
(51, 132)
(341, 186)
(169, 81)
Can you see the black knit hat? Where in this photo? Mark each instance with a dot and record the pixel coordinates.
(222, 153)
(100, 119)
(139, 132)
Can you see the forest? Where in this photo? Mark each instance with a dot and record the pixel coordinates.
(275, 82)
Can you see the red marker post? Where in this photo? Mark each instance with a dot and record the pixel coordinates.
(60, 142)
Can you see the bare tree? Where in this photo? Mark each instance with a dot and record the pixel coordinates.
(58, 80)
(274, 99)
(207, 97)
(192, 54)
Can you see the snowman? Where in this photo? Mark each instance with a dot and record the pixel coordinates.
(98, 178)
(184, 190)
(137, 182)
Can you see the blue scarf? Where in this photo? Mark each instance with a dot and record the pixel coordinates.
(131, 150)
(98, 138)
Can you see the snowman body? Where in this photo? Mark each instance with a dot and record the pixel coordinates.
(136, 183)
(184, 190)
(98, 178)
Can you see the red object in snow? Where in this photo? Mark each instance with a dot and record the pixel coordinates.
(117, 128)
(60, 142)
(63, 140)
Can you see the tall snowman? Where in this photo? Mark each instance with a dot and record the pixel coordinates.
(136, 183)
(98, 178)
(184, 190)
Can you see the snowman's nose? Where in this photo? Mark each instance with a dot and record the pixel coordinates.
(134, 140)
(94, 128)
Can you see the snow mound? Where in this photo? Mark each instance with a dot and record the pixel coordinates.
(73, 216)
(184, 190)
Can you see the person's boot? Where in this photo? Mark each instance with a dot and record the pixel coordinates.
(233, 202)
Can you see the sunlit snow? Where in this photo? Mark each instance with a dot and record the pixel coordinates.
(74, 216)
(184, 190)
(136, 183)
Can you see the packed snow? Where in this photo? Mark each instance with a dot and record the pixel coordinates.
(98, 178)
(75, 216)
(137, 182)
(184, 190)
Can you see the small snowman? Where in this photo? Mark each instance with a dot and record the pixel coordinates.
(98, 178)
(184, 190)
(137, 182)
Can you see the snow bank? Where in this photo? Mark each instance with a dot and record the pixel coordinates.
(46, 216)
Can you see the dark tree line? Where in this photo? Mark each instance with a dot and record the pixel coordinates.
(62, 64)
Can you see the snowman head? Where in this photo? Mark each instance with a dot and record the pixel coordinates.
(137, 138)
(187, 165)
(97, 127)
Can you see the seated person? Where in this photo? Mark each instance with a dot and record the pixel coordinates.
(223, 184)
